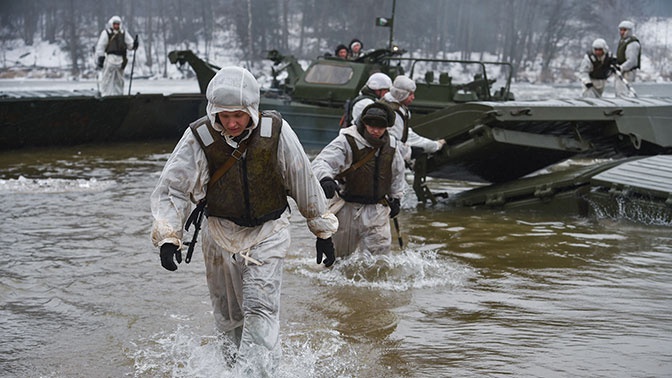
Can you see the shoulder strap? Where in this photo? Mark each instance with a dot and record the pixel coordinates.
(235, 156)
(357, 164)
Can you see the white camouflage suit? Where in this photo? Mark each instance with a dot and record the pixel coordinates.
(112, 78)
(401, 88)
(245, 296)
(363, 227)
(631, 62)
(586, 67)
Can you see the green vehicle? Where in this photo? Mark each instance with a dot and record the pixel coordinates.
(491, 138)
(314, 100)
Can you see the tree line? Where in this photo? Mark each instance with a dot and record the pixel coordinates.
(522, 32)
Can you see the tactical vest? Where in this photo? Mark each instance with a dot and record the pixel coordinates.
(601, 68)
(622, 45)
(116, 44)
(397, 108)
(252, 191)
(372, 181)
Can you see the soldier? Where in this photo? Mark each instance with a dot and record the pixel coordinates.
(365, 160)
(356, 48)
(244, 164)
(342, 51)
(628, 57)
(375, 88)
(111, 49)
(400, 96)
(595, 68)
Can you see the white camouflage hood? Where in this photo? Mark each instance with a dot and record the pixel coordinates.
(230, 90)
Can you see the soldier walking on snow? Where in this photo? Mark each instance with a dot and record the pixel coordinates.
(111, 52)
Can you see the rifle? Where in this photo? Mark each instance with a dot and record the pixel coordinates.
(130, 82)
(618, 73)
(196, 217)
(386, 202)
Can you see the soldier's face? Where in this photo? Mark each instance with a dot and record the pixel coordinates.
(234, 122)
(376, 132)
(598, 52)
(116, 26)
(409, 99)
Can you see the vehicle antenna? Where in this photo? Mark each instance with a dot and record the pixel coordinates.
(388, 23)
(394, 4)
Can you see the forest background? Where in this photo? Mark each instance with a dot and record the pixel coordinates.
(543, 39)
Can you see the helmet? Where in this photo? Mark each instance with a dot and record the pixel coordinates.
(600, 44)
(626, 25)
(379, 81)
(378, 115)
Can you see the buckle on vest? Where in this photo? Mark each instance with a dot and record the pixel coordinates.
(236, 154)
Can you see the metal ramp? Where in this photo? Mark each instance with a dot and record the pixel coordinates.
(637, 185)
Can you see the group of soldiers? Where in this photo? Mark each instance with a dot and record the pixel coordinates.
(239, 164)
(599, 64)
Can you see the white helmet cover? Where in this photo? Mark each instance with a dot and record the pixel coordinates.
(626, 25)
(379, 81)
(600, 44)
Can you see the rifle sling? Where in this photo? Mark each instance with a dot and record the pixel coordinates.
(357, 164)
(235, 156)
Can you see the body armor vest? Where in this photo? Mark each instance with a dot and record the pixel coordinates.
(622, 45)
(601, 68)
(397, 108)
(372, 181)
(116, 44)
(252, 191)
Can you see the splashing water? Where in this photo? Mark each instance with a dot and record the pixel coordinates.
(411, 268)
(183, 353)
(53, 185)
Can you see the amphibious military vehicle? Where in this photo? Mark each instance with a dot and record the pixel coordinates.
(491, 138)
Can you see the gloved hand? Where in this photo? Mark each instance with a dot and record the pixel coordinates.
(325, 247)
(416, 152)
(589, 85)
(135, 44)
(616, 67)
(395, 206)
(329, 186)
(101, 60)
(167, 252)
(613, 61)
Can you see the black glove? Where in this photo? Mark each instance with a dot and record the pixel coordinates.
(616, 67)
(101, 60)
(613, 61)
(135, 44)
(395, 206)
(416, 152)
(329, 186)
(589, 85)
(325, 247)
(167, 252)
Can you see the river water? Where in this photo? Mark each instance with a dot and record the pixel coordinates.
(472, 293)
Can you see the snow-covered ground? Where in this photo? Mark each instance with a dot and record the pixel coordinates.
(48, 61)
